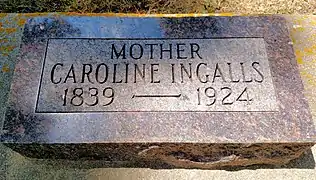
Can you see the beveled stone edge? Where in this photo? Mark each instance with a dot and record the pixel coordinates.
(168, 155)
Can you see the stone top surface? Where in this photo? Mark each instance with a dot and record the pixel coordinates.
(224, 79)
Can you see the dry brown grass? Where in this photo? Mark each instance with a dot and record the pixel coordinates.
(269, 6)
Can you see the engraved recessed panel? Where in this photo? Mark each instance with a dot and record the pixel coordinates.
(109, 75)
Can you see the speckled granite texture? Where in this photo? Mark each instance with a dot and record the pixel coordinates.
(175, 138)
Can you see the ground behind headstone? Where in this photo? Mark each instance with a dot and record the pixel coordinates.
(161, 6)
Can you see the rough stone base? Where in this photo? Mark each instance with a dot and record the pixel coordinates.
(169, 155)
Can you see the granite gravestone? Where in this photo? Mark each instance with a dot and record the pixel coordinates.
(181, 92)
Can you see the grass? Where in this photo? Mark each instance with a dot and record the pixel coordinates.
(161, 6)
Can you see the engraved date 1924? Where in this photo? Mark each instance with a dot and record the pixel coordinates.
(224, 95)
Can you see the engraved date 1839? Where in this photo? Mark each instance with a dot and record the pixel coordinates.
(96, 96)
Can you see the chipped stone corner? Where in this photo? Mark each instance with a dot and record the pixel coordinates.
(213, 156)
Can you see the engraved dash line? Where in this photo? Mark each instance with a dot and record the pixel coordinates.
(157, 95)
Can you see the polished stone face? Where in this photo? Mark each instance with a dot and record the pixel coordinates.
(123, 75)
(148, 80)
